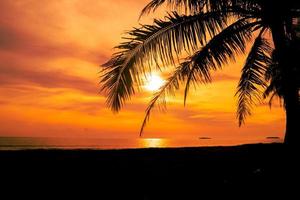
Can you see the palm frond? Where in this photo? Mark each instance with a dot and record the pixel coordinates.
(161, 43)
(191, 6)
(196, 69)
(172, 84)
(196, 6)
(252, 77)
(273, 75)
(219, 50)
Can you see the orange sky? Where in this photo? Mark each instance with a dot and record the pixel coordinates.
(50, 52)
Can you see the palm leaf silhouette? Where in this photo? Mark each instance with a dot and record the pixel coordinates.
(253, 77)
(212, 33)
(154, 43)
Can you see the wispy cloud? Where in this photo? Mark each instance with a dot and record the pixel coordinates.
(49, 79)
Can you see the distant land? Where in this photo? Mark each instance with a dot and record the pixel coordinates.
(205, 138)
(272, 138)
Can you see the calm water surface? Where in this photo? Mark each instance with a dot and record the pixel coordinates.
(16, 143)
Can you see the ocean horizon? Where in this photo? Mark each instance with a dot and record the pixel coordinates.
(23, 143)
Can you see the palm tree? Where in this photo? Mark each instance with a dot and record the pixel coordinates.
(212, 33)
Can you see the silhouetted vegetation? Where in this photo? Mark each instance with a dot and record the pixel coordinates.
(213, 33)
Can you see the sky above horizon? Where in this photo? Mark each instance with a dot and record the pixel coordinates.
(50, 57)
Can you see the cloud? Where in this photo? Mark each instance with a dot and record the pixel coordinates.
(11, 75)
(28, 44)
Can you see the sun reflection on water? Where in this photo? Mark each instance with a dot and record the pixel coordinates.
(153, 142)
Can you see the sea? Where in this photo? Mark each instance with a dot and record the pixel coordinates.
(21, 143)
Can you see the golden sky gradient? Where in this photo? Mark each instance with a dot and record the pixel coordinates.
(50, 53)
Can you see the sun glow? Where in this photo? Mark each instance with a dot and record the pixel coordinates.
(154, 82)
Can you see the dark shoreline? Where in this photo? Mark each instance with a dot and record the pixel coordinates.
(168, 173)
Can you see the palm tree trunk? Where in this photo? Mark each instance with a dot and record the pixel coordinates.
(291, 97)
(289, 84)
(292, 107)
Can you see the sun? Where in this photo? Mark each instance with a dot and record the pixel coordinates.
(153, 82)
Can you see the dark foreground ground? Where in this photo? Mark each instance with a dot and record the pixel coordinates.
(256, 171)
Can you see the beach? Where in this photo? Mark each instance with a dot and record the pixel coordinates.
(154, 173)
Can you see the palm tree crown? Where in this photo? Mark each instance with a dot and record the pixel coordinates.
(212, 33)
